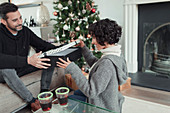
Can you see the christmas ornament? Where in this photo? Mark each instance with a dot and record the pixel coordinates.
(60, 6)
(65, 8)
(69, 2)
(81, 37)
(75, 19)
(59, 18)
(77, 28)
(63, 35)
(57, 38)
(83, 11)
(80, 21)
(87, 26)
(71, 15)
(82, 68)
(56, 32)
(55, 13)
(67, 19)
(92, 4)
(79, 13)
(94, 21)
(72, 34)
(93, 10)
(65, 27)
(85, 19)
(78, 1)
(88, 7)
(88, 36)
(55, 1)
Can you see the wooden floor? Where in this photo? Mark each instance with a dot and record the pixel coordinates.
(148, 94)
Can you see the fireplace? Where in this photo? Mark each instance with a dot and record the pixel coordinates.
(156, 50)
(147, 36)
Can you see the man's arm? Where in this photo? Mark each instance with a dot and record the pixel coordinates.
(9, 61)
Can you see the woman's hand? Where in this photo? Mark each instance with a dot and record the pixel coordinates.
(81, 44)
(64, 63)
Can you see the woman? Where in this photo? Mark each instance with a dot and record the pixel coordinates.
(101, 89)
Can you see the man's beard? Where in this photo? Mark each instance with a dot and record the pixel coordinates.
(15, 28)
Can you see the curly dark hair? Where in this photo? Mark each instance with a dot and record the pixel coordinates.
(5, 8)
(106, 30)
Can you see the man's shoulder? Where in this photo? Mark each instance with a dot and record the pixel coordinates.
(1, 30)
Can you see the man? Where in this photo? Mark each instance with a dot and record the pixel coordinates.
(15, 41)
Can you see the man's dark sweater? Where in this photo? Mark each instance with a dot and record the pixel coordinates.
(14, 49)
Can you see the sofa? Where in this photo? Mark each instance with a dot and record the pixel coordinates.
(11, 102)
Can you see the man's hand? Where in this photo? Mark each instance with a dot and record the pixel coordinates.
(38, 62)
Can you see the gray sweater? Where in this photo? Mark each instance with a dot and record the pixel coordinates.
(101, 88)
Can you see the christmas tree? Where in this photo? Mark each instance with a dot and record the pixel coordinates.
(72, 20)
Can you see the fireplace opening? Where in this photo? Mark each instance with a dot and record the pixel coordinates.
(153, 46)
(156, 52)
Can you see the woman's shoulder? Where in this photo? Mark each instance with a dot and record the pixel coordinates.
(114, 59)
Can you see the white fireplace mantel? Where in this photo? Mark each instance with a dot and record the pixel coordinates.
(131, 31)
(143, 1)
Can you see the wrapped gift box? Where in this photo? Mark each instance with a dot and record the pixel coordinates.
(72, 53)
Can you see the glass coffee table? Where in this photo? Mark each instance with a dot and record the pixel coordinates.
(76, 106)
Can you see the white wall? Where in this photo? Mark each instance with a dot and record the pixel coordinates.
(112, 9)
